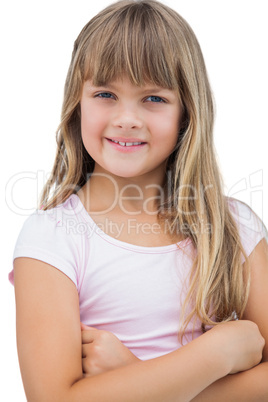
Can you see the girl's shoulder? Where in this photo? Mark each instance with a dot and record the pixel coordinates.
(51, 236)
(250, 225)
(66, 215)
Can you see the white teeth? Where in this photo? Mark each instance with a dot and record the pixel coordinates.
(127, 144)
(130, 144)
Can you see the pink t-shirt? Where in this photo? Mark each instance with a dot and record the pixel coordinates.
(133, 291)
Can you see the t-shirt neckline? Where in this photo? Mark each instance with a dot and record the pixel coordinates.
(119, 243)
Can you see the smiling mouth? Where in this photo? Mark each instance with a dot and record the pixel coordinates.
(126, 144)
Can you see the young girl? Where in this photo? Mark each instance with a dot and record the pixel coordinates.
(168, 276)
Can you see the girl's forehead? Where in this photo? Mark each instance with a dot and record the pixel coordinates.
(105, 63)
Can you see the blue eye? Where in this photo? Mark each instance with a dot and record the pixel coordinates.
(156, 99)
(105, 95)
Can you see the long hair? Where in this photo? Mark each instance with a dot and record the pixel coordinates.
(147, 41)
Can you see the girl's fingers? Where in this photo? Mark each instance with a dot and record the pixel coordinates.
(84, 353)
(89, 335)
(82, 326)
(84, 367)
(85, 327)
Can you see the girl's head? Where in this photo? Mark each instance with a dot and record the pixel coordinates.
(147, 42)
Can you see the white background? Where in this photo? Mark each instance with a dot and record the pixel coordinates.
(36, 44)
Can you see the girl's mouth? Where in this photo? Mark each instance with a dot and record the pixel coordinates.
(126, 146)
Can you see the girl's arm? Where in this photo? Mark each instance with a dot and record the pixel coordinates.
(251, 385)
(49, 348)
(248, 386)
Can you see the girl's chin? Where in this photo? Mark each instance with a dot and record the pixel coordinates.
(124, 171)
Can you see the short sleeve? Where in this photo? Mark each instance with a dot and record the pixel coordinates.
(251, 228)
(44, 237)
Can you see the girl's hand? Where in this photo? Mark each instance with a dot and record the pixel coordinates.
(102, 351)
(241, 342)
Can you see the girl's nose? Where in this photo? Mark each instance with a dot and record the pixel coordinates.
(127, 119)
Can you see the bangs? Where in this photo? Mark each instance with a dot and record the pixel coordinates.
(135, 42)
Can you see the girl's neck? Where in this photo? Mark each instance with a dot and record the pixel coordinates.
(105, 192)
(118, 201)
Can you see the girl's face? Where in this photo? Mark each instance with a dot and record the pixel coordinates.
(129, 130)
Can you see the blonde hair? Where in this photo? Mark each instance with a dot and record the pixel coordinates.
(147, 40)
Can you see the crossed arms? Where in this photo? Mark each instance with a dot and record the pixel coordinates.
(49, 348)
